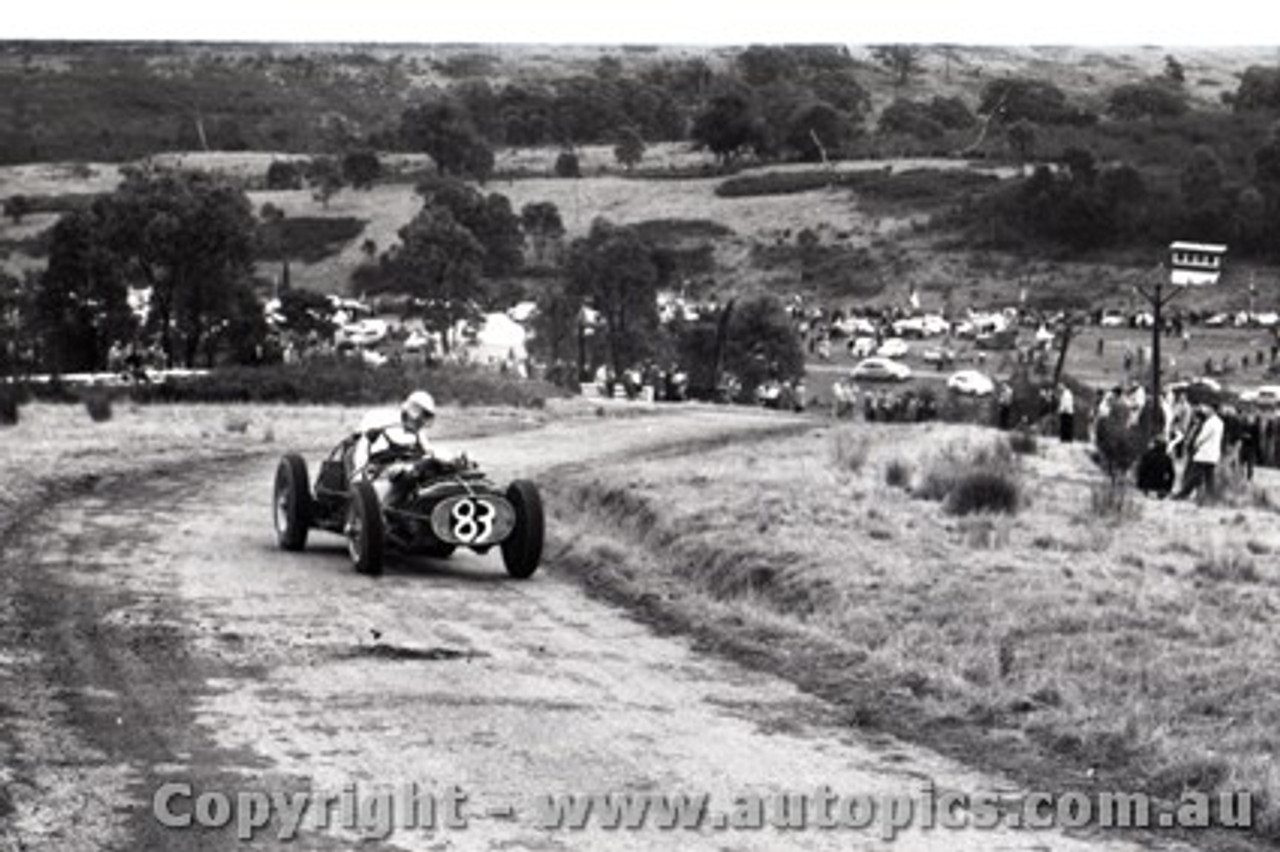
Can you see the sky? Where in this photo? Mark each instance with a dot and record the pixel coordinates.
(1100, 22)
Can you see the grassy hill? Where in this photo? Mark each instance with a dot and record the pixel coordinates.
(869, 241)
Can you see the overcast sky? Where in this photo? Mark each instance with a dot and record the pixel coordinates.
(1102, 22)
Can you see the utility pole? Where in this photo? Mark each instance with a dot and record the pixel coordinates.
(1157, 299)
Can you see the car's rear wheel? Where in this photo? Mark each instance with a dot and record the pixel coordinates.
(522, 550)
(364, 529)
(291, 503)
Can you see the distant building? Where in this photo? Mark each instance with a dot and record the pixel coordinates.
(1195, 264)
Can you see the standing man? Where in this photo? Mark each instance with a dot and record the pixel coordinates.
(1205, 452)
(1066, 415)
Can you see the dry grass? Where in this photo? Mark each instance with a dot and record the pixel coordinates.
(1133, 648)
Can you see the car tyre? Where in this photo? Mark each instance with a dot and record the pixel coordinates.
(364, 529)
(292, 503)
(522, 550)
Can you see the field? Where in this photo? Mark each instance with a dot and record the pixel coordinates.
(1093, 634)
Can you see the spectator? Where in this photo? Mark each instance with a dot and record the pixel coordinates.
(1005, 402)
(1205, 452)
(1066, 415)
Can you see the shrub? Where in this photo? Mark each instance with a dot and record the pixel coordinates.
(1228, 565)
(850, 450)
(1023, 442)
(984, 490)
(957, 460)
(567, 165)
(897, 474)
(99, 407)
(1113, 501)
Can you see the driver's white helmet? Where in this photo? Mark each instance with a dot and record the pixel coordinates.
(417, 410)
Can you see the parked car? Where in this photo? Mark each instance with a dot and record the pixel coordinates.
(880, 370)
(971, 383)
(862, 347)
(1266, 396)
(894, 347)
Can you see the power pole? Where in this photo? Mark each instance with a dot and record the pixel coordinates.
(1157, 299)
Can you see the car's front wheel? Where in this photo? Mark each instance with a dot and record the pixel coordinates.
(291, 503)
(364, 529)
(522, 550)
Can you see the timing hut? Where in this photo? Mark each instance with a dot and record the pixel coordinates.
(1195, 264)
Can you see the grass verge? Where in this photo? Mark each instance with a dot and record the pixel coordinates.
(1068, 654)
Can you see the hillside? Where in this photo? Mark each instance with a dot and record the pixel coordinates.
(923, 228)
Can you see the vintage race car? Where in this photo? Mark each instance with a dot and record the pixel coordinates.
(434, 506)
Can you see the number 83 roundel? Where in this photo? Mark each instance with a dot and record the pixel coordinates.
(473, 519)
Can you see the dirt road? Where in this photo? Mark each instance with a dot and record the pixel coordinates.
(152, 634)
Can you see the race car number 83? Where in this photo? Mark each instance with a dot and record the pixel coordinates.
(472, 519)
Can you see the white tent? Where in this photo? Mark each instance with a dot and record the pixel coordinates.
(497, 339)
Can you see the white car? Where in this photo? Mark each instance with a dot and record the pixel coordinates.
(880, 370)
(1266, 396)
(971, 383)
(894, 347)
(1113, 319)
(862, 347)
(366, 332)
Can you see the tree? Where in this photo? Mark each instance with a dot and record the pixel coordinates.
(81, 305)
(284, 174)
(325, 176)
(1259, 90)
(1152, 99)
(306, 312)
(616, 272)
(443, 129)
(361, 168)
(762, 344)
(186, 236)
(488, 218)
(630, 148)
(1202, 179)
(1081, 164)
(16, 207)
(761, 65)
(1015, 98)
(910, 118)
(1022, 138)
(542, 224)
(15, 327)
(438, 265)
(567, 165)
(904, 61)
(815, 130)
(728, 126)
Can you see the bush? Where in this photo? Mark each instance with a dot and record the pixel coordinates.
(99, 407)
(1023, 442)
(897, 474)
(958, 461)
(567, 165)
(1112, 501)
(985, 491)
(850, 450)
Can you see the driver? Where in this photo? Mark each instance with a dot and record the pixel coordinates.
(405, 441)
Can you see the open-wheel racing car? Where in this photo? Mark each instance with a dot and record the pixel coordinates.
(432, 507)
